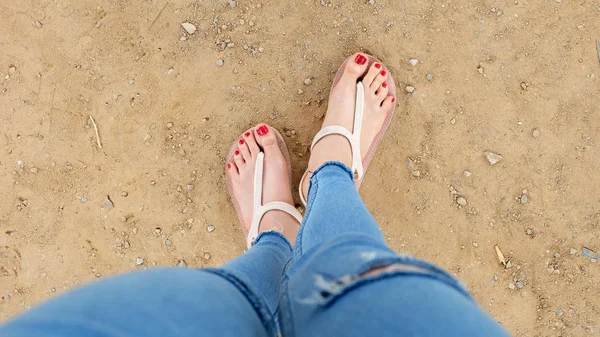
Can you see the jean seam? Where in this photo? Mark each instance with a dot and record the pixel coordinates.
(275, 234)
(249, 293)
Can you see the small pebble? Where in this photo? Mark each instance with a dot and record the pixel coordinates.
(371, 2)
(414, 62)
(168, 242)
(511, 286)
(492, 157)
(124, 193)
(307, 81)
(170, 71)
(467, 174)
(232, 3)
(38, 24)
(453, 121)
(220, 62)
(520, 285)
(559, 312)
(190, 187)
(109, 204)
(189, 28)
(524, 198)
(409, 89)
(210, 228)
(475, 244)
(508, 264)
(557, 255)
(139, 261)
(182, 264)
(20, 163)
(126, 244)
(84, 200)
(529, 231)
(207, 256)
(416, 173)
(535, 133)
(261, 49)
(573, 251)
(132, 81)
(169, 125)
(33, 170)
(429, 77)
(461, 201)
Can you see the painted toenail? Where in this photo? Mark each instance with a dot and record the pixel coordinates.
(247, 134)
(377, 65)
(241, 142)
(393, 100)
(360, 59)
(263, 130)
(237, 152)
(383, 73)
(228, 165)
(384, 85)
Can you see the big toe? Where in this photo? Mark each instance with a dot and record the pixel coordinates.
(355, 68)
(265, 136)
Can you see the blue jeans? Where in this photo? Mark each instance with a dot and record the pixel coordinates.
(340, 279)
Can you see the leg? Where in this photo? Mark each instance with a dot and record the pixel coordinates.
(345, 281)
(157, 302)
(334, 206)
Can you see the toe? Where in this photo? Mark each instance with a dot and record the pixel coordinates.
(382, 92)
(265, 137)
(244, 150)
(237, 158)
(355, 68)
(379, 80)
(251, 142)
(374, 70)
(232, 169)
(388, 103)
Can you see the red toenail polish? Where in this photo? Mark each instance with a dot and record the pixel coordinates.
(241, 142)
(393, 100)
(383, 73)
(237, 152)
(247, 134)
(263, 130)
(377, 65)
(384, 85)
(360, 59)
(228, 165)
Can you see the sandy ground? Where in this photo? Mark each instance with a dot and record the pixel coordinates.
(500, 70)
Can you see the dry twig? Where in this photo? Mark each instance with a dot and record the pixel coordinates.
(97, 133)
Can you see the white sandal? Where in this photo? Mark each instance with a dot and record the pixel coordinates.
(359, 165)
(259, 210)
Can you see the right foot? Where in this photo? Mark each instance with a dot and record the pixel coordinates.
(340, 111)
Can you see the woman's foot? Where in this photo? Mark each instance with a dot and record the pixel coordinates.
(276, 180)
(340, 111)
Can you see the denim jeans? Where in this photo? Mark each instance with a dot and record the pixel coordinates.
(340, 279)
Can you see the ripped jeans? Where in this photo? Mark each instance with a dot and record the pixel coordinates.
(340, 280)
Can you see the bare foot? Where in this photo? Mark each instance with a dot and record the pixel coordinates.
(276, 180)
(340, 111)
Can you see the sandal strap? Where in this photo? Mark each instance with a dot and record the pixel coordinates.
(352, 137)
(259, 209)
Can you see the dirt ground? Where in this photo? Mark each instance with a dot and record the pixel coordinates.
(517, 78)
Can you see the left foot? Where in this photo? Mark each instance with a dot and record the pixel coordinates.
(276, 180)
